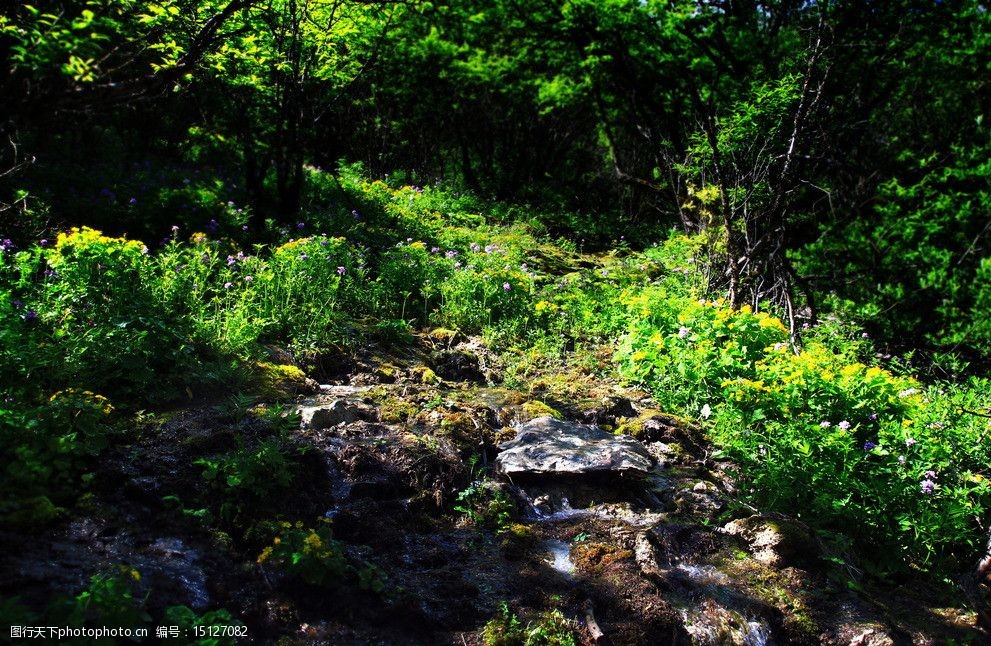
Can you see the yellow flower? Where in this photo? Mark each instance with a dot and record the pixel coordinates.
(267, 552)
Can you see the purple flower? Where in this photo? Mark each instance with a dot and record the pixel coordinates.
(228, 285)
(825, 424)
(872, 417)
(930, 474)
(43, 242)
(300, 225)
(864, 336)
(144, 250)
(489, 248)
(927, 486)
(212, 226)
(451, 254)
(475, 247)
(869, 446)
(240, 255)
(457, 265)
(303, 256)
(341, 270)
(231, 260)
(845, 425)
(244, 227)
(248, 279)
(17, 304)
(909, 441)
(507, 286)
(175, 228)
(355, 214)
(901, 459)
(6, 245)
(683, 332)
(434, 249)
(133, 200)
(30, 315)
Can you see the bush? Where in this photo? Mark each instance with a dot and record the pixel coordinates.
(850, 448)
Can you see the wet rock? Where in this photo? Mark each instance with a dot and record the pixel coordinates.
(337, 412)
(699, 503)
(457, 365)
(145, 489)
(614, 406)
(172, 568)
(547, 446)
(871, 637)
(775, 542)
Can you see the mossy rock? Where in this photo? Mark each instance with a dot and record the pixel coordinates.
(534, 409)
(387, 373)
(426, 376)
(396, 411)
(30, 513)
(460, 429)
(594, 557)
(443, 335)
(651, 425)
(516, 540)
(282, 381)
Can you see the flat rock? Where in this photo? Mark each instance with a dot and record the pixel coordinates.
(548, 446)
(330, 415)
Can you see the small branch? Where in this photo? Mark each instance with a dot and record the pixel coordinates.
(598, 637)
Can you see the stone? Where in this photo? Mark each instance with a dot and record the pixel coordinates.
(337, 412)
(457, 365)
(775, 542)
(548, 446)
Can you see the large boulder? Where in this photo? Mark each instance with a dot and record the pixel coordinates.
(547, 446)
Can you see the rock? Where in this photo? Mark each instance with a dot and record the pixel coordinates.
(614, 406)
(457, 365)
(872, 637)
(337, 412)
(775, 542)
(546, 446)
(278, 381)
(705, 503)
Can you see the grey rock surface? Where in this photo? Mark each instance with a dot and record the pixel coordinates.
(334, 413)
(546, 446)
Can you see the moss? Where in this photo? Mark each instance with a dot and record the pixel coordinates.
(279, 381)
(534, 409)
(426, 375)
(594, 557)
(387, 373)
(443, 335)
(770, 586)
(461, 430)
(395, 411)
(634, 426)
(516, 540)
(31, 513)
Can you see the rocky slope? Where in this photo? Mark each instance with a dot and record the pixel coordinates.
(467, 500)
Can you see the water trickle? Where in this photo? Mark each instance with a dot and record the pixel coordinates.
(560, 557)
